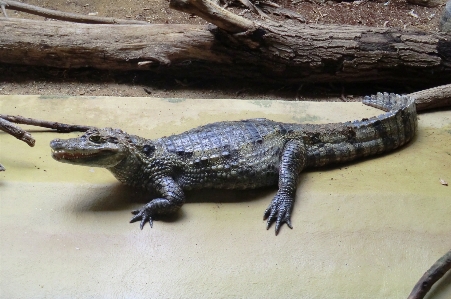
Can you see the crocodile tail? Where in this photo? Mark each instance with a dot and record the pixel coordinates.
(389, 101)
(342, 142)
(392, 129)
(400, 116)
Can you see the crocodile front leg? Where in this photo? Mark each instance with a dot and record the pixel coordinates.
(172, 198)
(292, 161)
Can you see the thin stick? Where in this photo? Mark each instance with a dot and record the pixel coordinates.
(17, 132)
(59, 127)
(6, 125)
(3, 5)
(64, 16)
(431, 276)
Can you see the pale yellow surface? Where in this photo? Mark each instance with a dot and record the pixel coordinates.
(363, 230)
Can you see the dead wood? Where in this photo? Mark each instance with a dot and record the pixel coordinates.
(63, 16)
(3, 7)
(15, 131)
(59, 127)
(437, 271)
(275, 53)
(7, 125)
(433, 98)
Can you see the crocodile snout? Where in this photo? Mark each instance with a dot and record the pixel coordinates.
(56, 144)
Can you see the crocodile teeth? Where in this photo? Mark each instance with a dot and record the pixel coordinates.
(63, 155)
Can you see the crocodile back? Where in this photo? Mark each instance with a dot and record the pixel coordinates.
(232, 154)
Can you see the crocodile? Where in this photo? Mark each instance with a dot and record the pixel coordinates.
(238, 155)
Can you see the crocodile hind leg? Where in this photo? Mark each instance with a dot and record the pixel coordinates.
(172, 198)
(292, 161)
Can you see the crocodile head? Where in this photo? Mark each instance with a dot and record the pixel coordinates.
(97, 147)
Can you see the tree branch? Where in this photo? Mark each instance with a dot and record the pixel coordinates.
(432, 98)
(431, 276)
(17, 132)
(63, 16)
(214, 14)
(59, 127)
(3, 7)
(6, 125)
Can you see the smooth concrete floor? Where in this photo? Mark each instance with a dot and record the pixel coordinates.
(368, 229)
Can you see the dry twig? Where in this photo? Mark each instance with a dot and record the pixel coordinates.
(7, 125)
(3, 7)
(17, 132)
(63, 16)
(59, 127)
(431, 276)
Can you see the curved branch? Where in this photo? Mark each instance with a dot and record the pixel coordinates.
(64, 16)
(3, 7)
(214, 14)
(17, 132)
(431, 276)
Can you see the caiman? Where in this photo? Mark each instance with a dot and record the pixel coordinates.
(238, 155)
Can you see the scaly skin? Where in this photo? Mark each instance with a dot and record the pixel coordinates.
(238, 155)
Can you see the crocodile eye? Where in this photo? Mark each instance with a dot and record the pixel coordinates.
(95, 138)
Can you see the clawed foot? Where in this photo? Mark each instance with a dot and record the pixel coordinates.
(279, 211)
(158, 206)
(144, 214)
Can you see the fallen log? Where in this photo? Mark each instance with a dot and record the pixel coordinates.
(274, 52)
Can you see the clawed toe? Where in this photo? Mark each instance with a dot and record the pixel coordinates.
(143, 216)
(279, 211)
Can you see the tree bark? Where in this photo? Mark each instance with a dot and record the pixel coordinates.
(269, 52)
(433, 98)
(437, 271)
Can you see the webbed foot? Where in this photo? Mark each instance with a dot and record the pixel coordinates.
(279, 211)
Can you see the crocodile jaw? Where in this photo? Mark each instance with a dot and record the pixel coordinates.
(78, 157)
(101, 158)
